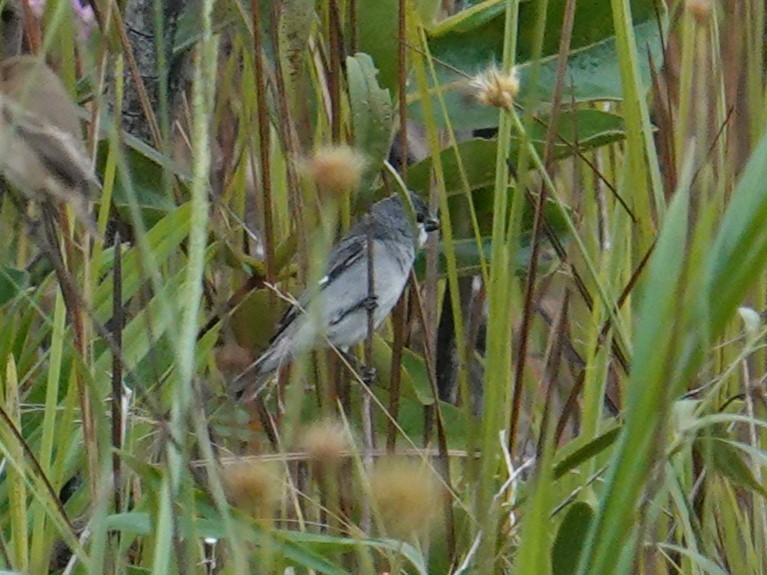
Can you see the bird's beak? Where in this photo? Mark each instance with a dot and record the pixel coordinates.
(431, 225)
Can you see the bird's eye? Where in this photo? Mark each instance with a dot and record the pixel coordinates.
(419, 218)
(7, 16)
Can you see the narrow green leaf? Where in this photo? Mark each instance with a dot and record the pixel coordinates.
(587, 452)
(12, 282)
(723, 456)
(647, 402)
(739, 253)
(163, 239)
(324, 543)
(134, 522)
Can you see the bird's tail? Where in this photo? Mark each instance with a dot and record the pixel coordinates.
(249, 382)
(246, 385)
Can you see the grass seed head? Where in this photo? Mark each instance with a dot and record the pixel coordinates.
(336, 169)
(406, 495)
(253, 486)
(325, 442)
(496, 88)
(699, 9)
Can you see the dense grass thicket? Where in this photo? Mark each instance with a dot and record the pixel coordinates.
(573, 382)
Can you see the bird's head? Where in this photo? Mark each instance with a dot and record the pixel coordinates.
(426, 222)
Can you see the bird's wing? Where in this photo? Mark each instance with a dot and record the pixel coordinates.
(57, 150)
(341, 257)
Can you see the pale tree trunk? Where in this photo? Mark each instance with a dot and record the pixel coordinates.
(143, 34)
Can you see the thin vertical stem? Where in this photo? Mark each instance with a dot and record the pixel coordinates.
(117, 373)
(290, 140)
(369, 375)
(398, 322)
(352, 5)
(519, 373)
(498, 326)
(263, 139)
(401, 85)
(334, 73)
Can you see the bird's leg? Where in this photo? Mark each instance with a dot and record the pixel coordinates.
(370, 303)
(348, 357)
(368, 375)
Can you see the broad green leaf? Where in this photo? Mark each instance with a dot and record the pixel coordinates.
(569, 541)
(427, 10)
(469, 19)
(593, 72)
(466, 45)
(478, 161)
(410, 368)
(419, 376)
(578, 130)
(467, 255)
(411, 418)
(484, 22)
(377, 25)
(372, 115)
(254, 319)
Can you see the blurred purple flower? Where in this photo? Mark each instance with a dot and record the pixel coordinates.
(37, 7)
(83, 11)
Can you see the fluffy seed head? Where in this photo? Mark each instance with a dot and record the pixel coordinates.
(253, 486)
(325, 442)
(496, 88)
(336, 169)
(699, 9)
(406, 495)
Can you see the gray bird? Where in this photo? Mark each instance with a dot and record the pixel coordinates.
(336, 310)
